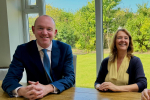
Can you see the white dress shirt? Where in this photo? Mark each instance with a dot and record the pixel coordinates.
(49, 49)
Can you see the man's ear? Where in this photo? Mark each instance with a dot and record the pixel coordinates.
(33, 28)
(55, 32)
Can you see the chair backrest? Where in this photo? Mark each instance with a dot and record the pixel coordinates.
(3, 72)
(74, 64)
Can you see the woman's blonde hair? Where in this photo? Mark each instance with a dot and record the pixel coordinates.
(113, 48)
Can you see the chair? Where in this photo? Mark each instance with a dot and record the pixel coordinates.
(3, 72)
(74, 64)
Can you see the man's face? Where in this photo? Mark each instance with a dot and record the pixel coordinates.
(44, 31)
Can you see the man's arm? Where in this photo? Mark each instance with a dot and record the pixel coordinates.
(68, 78)
(35, 90)
(14, 75)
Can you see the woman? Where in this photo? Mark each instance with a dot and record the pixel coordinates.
(121, 71)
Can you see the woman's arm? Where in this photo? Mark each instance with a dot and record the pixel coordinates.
(102, 72)
(136, 74)
(129, 88)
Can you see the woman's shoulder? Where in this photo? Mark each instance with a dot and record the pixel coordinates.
(135, 61)
(105, 60)
(134, 58)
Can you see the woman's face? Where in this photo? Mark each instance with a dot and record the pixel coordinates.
(122, 41)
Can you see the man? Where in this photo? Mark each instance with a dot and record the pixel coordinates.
(31, 55)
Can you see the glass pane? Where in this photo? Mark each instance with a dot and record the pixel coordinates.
(31, 18)
(119, 14)
(75, 22)
(132, 15)
(32, 2)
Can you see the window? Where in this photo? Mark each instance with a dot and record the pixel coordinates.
(32, 8)
(31, 19)
(132, 15)
(75, 22)
(76, 26)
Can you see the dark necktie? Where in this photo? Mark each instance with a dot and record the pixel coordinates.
(46, 62)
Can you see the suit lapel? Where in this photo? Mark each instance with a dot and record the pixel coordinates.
(55, 55)
(36, 57)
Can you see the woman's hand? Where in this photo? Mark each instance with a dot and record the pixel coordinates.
(105, 86)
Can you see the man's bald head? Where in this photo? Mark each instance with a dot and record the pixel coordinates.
(43, 17)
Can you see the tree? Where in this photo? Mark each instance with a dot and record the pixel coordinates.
(139, 27)
(31, 23)
(63, 22)
(120, 19)
(143, 9)
(66, 30)
(84, 24)
(108, 17)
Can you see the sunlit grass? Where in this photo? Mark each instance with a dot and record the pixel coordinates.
(86, 69)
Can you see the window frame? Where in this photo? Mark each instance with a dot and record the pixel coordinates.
(27, 8)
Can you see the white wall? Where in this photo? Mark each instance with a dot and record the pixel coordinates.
(4, 36)
(11, 28)
(11, 34)
(15, 25)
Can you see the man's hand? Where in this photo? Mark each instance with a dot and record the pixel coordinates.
(145, 94)
(30, 92)
(44, 88)
(35, 90)
(108, 86)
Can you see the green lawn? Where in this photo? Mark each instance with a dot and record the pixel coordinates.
(86, 69)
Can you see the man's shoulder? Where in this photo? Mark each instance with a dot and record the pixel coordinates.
(29, 44)
(59, 43)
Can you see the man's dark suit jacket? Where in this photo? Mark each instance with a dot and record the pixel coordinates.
(27, 56)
